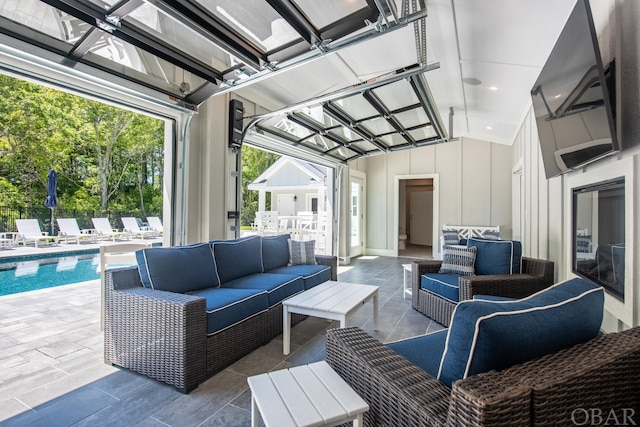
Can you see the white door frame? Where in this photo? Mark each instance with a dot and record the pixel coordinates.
(361, 176)
(436, 209)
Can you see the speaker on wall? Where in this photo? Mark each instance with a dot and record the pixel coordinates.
(236, 112)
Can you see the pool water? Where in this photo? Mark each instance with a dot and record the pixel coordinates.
(31, 274)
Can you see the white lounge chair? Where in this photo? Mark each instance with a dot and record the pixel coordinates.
(155, 224)
(29, 231)
(105, 231)
(7, 240)
(69, 230)
(131, 225)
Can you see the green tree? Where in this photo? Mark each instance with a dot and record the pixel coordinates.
(254, 162)
(105, 157)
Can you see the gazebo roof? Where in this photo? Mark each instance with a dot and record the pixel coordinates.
(290, 174)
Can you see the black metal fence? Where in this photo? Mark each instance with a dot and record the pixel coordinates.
(9, 215)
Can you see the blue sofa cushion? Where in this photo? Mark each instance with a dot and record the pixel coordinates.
(312, 275)
(496, 256)
(458, 260)
(424, 351)
(444, 285)
(487, 335)
(301, 252)
(237, 258)
(177, 269)
(228, 306)
(275, 251)
(277, 286)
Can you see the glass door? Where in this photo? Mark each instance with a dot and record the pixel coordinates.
(357, 216)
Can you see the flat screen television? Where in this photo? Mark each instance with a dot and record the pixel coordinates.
(573, 98)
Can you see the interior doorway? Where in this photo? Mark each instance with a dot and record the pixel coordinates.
(417, 214)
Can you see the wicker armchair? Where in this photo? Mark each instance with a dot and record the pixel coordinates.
(600, 374)
(536, 275)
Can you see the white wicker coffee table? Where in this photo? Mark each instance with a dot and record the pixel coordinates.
(329, 300)
(309, 395)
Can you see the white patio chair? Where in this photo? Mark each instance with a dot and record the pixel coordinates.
(155, 224)
(29, 231)
(105, 231)
(131, 225)
(113, 255)
(68, 230)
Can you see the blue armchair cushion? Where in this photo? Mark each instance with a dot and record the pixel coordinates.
(458, 260)
(277, 286)
(228, 306)
(177, 269)
(237, 258)
(275, 252)
(487, 335)
(496, 256)
(312, 274)
(444, 285)
(424, 351)
(301, 252)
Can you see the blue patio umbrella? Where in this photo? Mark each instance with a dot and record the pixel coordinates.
(52, 200)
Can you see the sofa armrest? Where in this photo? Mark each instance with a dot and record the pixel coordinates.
(156, 333)
(418, 268)
(503, 285)
(490, 399)
(601, 374)
(331, 261)
(539, 267)
(398, 392)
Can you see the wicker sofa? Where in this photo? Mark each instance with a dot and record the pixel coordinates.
(438, 303)
(562, 387)
(185, 313)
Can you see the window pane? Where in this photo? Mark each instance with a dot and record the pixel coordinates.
(175, 33)
(325, 12)
(44, 19)
(396, 95)
(255, 20)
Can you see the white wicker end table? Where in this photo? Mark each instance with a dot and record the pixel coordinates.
(329, 300)
(309, 395)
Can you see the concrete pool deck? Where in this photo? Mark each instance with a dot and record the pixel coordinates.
(62, 248)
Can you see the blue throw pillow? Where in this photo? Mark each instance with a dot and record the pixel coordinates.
(496, 256)
(450, 237)
(237, 258)
(177, 269)
(487, 335)
(301, 252)
(275, 251)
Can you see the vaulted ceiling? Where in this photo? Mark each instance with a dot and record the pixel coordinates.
(354, 77)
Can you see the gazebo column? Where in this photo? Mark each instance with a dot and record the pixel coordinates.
(262, 200)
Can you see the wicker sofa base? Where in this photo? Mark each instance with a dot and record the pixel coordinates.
(435, 307)
(163, 335)
(230, 345)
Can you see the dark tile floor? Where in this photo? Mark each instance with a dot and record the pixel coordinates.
(128, 399)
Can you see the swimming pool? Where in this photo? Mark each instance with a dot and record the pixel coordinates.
(28, 274)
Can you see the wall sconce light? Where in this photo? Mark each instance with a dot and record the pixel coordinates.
(295, 198)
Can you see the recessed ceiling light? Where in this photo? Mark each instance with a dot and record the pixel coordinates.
(493, 88)
(472, 81)
(557, 96)
(489, 128)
